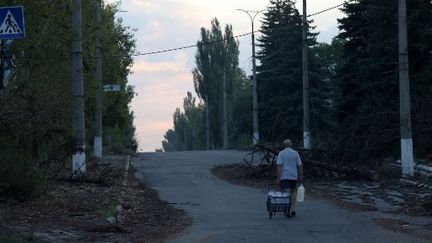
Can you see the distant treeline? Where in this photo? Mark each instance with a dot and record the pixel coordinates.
(354, 84)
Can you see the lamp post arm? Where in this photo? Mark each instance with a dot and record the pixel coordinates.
(255, 137)
(247, 14)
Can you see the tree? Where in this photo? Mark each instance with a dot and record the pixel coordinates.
(188, 132)
(368, 103)
(35, 117)
(170, 143)
(324, 60)
(280, 75)
(216, 57)
(241, 123)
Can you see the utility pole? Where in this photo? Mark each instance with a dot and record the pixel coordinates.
(255, 138)
(207, 122)
(404, 94)
(78, 127)
(98, 76)
(6, 63)
(225, 112)
(307, 140)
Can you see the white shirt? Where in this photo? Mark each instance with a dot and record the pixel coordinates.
(289, 159)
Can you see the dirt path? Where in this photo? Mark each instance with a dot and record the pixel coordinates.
(80, 212)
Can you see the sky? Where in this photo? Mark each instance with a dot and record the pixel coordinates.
(161, 81)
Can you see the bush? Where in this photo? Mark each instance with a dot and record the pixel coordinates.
(19, 179)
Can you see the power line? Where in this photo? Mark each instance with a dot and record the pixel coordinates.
(221, 40)
(171, 49)
(325, 10)
(190, 46)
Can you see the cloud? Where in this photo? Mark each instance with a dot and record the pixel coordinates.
(153, 109)
(161, 86)
(149, 135)
(178, 63)
(162, 80)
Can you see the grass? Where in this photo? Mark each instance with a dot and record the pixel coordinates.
(107, 212)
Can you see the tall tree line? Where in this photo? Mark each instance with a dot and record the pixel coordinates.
(367, 104)
(279, 77)
(188, 131)
(35, 109)
(217, 72)
(353, 81)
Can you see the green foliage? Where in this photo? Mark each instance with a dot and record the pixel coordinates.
(16, 238)
(367, 79)
(280, 86)
(35, 110)
(354, 84)
(107, 211)
(19, 179)
(241, 123)
(214, 61)
(189, 129)
(324, 59)
(216, 58)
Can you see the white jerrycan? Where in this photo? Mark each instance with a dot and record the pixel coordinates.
(300, 193)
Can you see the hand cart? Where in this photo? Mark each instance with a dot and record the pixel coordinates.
(278, 201)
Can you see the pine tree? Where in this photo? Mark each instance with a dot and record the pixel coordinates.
(367, 76)
(279, 77)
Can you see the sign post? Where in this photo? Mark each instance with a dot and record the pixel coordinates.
(11, 27)
(12, 23)
(112, 87)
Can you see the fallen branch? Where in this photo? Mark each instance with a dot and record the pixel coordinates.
(267, 159)
(339, 170)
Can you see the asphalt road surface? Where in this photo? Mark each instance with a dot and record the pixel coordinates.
(223, 212)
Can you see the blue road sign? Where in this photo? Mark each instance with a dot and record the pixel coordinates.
(12, 23)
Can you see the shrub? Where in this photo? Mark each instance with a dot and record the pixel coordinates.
(19, 179)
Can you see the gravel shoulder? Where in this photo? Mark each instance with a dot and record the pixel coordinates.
(81, 211)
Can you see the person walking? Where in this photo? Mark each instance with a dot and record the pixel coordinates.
(289, 172)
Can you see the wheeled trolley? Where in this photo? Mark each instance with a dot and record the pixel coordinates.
(278, 201)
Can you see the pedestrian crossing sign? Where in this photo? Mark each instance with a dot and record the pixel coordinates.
(12, 23)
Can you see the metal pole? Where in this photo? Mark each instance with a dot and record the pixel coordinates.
(255, 138)
(6, 64)
(405, 110)
(207, 122)
(98, 76)
(225, 112)
(78, 127)
(307, 140)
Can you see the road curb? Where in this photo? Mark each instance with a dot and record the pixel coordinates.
(119, 207)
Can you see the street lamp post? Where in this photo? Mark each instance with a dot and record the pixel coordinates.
(255, 138)
(97, 141)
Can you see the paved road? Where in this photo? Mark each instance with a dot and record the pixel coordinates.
(223, 212)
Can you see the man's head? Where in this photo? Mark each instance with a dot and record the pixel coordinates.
(287, 143)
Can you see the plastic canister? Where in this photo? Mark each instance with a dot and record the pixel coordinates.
(300, 193)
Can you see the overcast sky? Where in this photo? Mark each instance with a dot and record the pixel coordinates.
(162, 80)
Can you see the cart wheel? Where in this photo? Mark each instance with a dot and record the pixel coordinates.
(270, 214)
